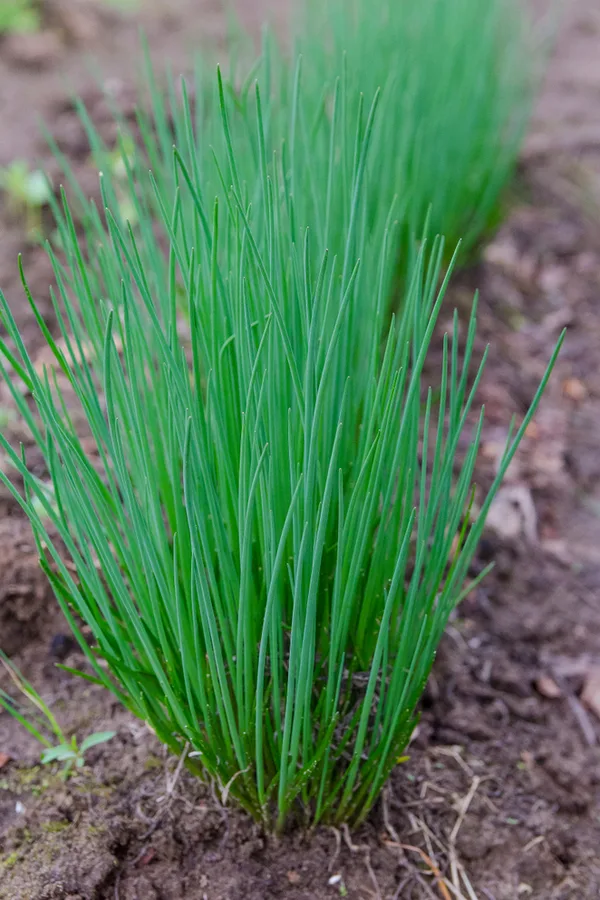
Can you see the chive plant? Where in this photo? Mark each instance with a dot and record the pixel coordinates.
(275, 523)
(457, 82)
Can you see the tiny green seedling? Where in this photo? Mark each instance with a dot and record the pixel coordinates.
(19, 17)
(7, 415)
(27, 191)
(123, 5)
(62, 749)
(46, 502)
(120, 158)
(72, 753)
(120, 161)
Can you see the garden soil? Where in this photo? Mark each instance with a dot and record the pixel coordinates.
(500, 799)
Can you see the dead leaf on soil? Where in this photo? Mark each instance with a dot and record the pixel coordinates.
(548, 688)
(552, 279)
(590, 695)
(532, 431)
(504, 254)
(559, 549)
(574, 389)
(5, 758)
(147, 857)
(512, 513)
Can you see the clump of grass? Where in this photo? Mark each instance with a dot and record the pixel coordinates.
(274, 527)
(457, 82)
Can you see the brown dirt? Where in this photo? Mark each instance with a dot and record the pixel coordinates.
(502, 790)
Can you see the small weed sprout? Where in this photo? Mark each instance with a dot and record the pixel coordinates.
(120, 161)
(72, 753)
(19, 17)
(7, 415)
(27, 191)
(44, 726)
